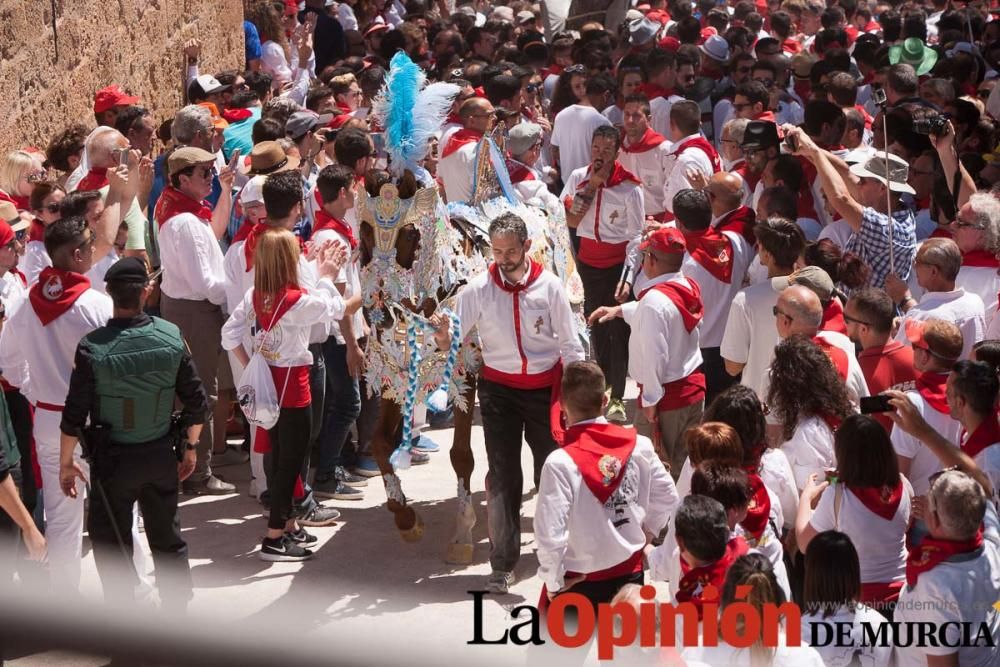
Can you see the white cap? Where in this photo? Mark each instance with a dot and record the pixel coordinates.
(253, 191)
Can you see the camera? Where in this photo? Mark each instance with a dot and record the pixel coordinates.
(935, 125)
(878, 96)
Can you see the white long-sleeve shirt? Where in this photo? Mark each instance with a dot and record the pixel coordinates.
(615, 215)
(716, 295)
(39, 359)
(521, 333)
(661, 350)
(688, 158)
(35, 260)
(575, 532)
(458, 171)
(652, 166)
(192, 260)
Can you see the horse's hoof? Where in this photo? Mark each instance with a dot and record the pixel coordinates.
(458, 554)
(415, 532)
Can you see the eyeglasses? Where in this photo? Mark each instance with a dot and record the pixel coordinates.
(531, 88)
(36, 176)
(848, 319)
(575, 69)
(962, 224)
(777, 311)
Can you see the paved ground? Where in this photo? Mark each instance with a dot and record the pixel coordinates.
(365, 585)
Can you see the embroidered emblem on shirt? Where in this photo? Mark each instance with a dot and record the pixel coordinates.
(538, 325)
(613, 217)
(609, 467)
(53, 288)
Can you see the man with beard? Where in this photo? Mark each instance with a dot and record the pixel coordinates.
(645, 153)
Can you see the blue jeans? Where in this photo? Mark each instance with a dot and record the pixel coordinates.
(343, 405)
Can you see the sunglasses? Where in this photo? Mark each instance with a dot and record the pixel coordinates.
(531, 88)
(768, 83)
(575, 69)
(51, 208)
(848, 319)
(777, 311)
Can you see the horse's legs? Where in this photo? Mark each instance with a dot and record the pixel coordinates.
(460, 547)
(408, 522)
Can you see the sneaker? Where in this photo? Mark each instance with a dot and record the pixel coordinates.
(350, 479)
(301, 537)
(499, 582)
(334, 488)
(366, 467)
(616, 411)
(424, 444)
(319, 516)
(419, 458)
(232, 456)
(210, 486)
(283, 550)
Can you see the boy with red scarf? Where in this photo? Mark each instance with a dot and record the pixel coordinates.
(528, 334)
(38, 343)
(596, 497)
(664, 355)
(645, 153)
(953, 577)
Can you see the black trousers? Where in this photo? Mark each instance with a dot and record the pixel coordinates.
(609, 340)
(508, 415)
(20, 417)
(146, 474)
(717, 380)
(289, 445)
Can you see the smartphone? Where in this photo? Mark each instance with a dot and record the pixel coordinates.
(234, 160)
(877, 403)
(123, 157)
(791, 143)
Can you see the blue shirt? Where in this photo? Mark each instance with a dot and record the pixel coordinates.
(239, 135)
(252, 39)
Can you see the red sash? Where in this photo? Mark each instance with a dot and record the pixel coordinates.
(37, 231)
(740, 221)
(266, 316)
(703, 145)
(881, 501)
(174, 202)
(649, 140)
(986, 434)
(875, 594)
(933, 551)
(931, 387)
(837, 356)
(519, 172)
(459, 139)
(596, 252)
(94, 180)
(833, 318)
(713, 250)
(980, 259)
(55, 292)
(601, 452)
(326, 221)
(695, 579)
(250, 244)
(687, 300)
(630, 565)
(759, 509)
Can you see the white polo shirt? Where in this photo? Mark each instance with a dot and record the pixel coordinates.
(962, 308)
(750, 335)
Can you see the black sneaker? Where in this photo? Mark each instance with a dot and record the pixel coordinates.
(344, 492)
(350, 479)
(283, 550)
(302, 538)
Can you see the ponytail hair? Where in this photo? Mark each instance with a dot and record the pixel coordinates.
(844, 267)
(754, 570)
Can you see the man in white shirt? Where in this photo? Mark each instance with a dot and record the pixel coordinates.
(194, 282)
(976, 230)
(597, 496)
(972, 395)
(690, 151)
(748, 341)
(953, 577)
(645, 153)
(528, 335)
(937, 264)
(457, 165)
(573, 129)
(604, 206)
(937, 345)
(37, 347)
(664, 355)
(661, 88)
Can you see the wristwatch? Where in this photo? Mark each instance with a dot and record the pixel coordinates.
(190, 446)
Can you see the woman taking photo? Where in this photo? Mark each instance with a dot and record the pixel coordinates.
(274, 319)
(869, 501)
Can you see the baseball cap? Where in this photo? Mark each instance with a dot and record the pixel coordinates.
(206, 84)
(127, 270)
(188, 156)
(525, 16)
(522, 137)
(668, 240)
(503, 13)
(813, 277)
(253, 191)
(111, 97)
(301, 122)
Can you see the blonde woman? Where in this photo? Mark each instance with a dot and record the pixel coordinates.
(274, 318)
(19, 171)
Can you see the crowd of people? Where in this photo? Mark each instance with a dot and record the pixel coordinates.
(785, 219)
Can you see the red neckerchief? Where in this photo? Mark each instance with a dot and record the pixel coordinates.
(740, 221)
(802, 88)
(864, 114)
(55, 292)
(236, 115)
(931, 387)
(832, 148)
(20, 203)
(687, 300)
(882, 500)
(601, 452)
(695, 579)
(649, 140)
(243, 232)
(759, 509)
(266, 316)
(534, 270)
(552, 70)
(933, 551)
(837, 356)
(743, 169)
(95, 179)
(346, 109)
(519, 172)
(985, 435)
(326, 221)
(37, 231)
(618, 176)
(832, 421)
(702, 144)
(174, 202)
(17, 272)
(980, 258)
(833, 318)
(768, 116)
(652, 91)
(459, 139)
(713, 251)
(872, 26)
(250, 243)
(792, 46)
(661, 16)
(528, 112)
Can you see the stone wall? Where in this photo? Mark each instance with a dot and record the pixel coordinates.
(134, 43)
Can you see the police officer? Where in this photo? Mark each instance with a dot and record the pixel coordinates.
(125, 378)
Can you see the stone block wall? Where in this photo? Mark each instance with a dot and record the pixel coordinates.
(48, 83)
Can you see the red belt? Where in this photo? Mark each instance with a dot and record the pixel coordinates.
(52, 407)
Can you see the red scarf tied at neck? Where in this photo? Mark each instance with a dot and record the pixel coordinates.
(759, 510)
(601, 452)
(649, 140)
(883, 501)
(985, 435)
(686, 299)
(713, 251)
(174, 202)
(932, 552)
(459, 139)
(270, 310)
(55, 292)
(695, 579)
(980, 259)
(326, 221)
(931, 387)
(250, 242)
(95, 179)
